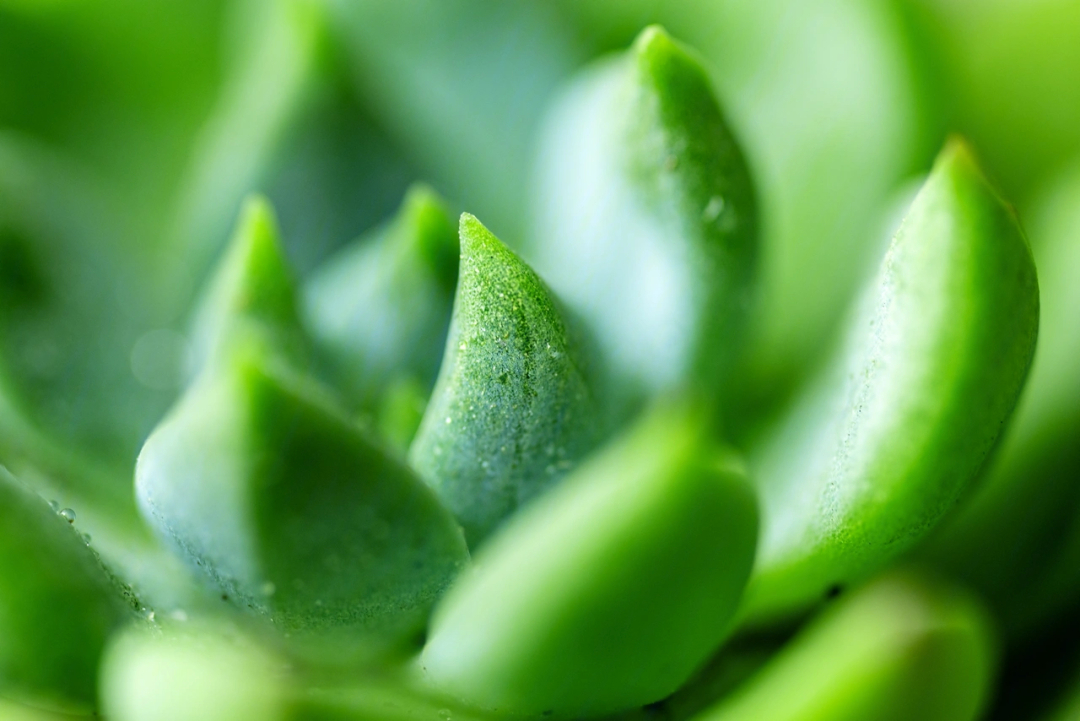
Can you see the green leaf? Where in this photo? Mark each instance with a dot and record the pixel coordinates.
(268, 89)
(57, 605)
(270, 492)
(872, 455)
(201, 670)
(252, 294)
(904, 647)
(645, 221)
(608, 592)
(512, 411)
(1017, 539)
(822, 96)
(462, 85)
(379, 310)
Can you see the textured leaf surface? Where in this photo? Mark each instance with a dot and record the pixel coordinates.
(512, 411)
(871, 456)
(273, 495)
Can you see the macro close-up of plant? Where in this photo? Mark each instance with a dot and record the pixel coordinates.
(470, 360)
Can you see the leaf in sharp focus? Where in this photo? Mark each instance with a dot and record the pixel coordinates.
(275, 498)
(645, 220)
(252, 293)
(379, 310)
(608, 592)
(57, 605)
(512, 411)
(1017, 539)
(872, 455)
(904, 647)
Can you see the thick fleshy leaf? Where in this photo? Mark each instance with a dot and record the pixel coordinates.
(1017, 539)
(379, 310)
(512, 411)
(57, 604)
(284, 505)
(183, 672)
(871, 456)
(608, 592)
(645, 220)
(822, 96)
(252, 293)
(905, 647)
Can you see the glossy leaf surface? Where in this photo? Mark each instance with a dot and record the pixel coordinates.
(1017, 539)
(645, 221)
(904, 647)
(608, 592)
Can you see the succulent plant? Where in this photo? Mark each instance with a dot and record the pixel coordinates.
(609, 448)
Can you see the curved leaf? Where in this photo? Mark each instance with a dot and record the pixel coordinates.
(271, 494)
(379, 310)
(512, 411)
(608, 592)
(875, 452)
(57, 605)
(645, 221)
(251, 293)
(905, 647)
(1017, 539)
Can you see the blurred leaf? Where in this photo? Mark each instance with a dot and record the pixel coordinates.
(822, 96)
(512, 411)
(1010, 70)
(645, 221)
(251, 295)
(379, 309)
(879, 448)
(461, 84)
(57, 605)
(608, 592)
(905, 647)
(183, 672)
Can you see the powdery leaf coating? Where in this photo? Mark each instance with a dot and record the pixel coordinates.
(512, 411)
(867, 460)
(272, 495)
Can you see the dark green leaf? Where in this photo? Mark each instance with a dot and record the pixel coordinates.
(512, 411)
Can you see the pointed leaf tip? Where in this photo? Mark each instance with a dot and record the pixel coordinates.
(252, 287)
